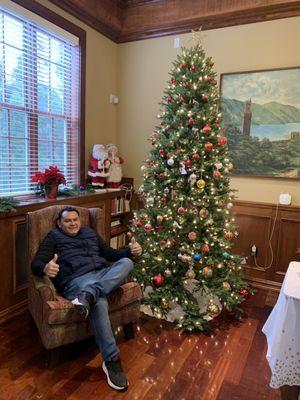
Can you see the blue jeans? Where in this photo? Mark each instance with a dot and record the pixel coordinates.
(100, 284)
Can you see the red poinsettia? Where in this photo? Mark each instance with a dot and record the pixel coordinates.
(52, 175)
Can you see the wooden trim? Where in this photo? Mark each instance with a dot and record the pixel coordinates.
(13, 311)
(213, 21)
(137, 19)
(81, 144)
(15, 222)
(67, 25)
(91, 18)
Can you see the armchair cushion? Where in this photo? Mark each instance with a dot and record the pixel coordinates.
(62, 311)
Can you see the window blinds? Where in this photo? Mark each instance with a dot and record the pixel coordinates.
(39, 104)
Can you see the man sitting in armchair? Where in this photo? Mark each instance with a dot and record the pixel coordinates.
(76, 259)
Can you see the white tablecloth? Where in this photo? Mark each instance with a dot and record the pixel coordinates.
(282, 330)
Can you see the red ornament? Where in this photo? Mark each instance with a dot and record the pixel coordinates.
(138, 224)
(228, 235)
(162, 122)
(209, 146)
(207, 78)
(204, 97)
(163, 199)
(195, 156)
(173, 81)
(186, 85)
(193, 69)
(245, 293)
(153, 142)
(191, 121)
(168, 99)
(187, 163)
(162, 242)
(180, 151)
(148, 227)
(143, 217)
(157, 227)
(161, 151)
(205, 248)
(217, 175)
(222, 141)
(206, 129)
(182, 65)
(192, 235)
(181, 100)
(158, 280)
(152, 164)
(216, 122)
(162, 175)
(181, 210)
(129, 235)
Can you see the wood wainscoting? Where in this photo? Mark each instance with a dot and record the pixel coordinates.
(275, 231)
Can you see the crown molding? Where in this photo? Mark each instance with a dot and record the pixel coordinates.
(130, 20)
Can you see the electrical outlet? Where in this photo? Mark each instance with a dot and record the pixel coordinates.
(254, 251)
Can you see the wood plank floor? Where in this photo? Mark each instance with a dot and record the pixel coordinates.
(160, 363)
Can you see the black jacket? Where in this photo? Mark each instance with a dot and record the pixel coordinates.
(77, 255)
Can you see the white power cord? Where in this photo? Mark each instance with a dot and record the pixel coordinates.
(270, 244)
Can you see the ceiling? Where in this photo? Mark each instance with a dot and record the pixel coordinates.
(128, 20)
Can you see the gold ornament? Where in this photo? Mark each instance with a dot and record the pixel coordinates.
(201, 183)
(226, 285)
(159, 218)
(207, 272)
(203, 212)
(213, 310)
(230, 167)
(165, 303)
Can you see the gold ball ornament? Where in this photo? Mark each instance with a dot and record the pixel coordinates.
(201, 183)
(213, 310)
(159, 218)
(230, 167)
(226, 285)
(203, 212)
(165, 304)
(207, 272)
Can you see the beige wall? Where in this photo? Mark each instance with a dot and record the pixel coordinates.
(143, 72)
(101, 80)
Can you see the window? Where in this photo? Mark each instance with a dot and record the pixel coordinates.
(39, 103)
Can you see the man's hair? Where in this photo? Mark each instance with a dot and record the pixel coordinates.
(66, 209)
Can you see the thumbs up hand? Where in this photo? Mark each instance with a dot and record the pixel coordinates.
(136, 249)
(51, 269)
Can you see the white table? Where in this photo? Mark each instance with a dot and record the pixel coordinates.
(282, 330)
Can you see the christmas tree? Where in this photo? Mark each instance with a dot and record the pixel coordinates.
(186, 229)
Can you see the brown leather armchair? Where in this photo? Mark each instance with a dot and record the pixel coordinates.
(56, 318)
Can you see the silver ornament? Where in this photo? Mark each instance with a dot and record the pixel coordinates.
(167, 273)
(170, 162)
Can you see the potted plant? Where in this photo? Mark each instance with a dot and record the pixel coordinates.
(49, 180)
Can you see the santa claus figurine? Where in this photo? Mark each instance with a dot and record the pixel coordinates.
(99, 166)
(115, 170)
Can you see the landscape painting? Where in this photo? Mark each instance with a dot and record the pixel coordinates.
(261, 119)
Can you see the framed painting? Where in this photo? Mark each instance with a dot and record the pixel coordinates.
(261, 119)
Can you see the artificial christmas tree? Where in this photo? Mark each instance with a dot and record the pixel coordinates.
(186, 271)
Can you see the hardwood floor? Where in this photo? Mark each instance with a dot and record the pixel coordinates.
(160, 363)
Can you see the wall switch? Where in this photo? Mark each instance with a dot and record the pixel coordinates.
(113, 99)
(176, 42)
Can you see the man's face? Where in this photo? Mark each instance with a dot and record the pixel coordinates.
(70, 223)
